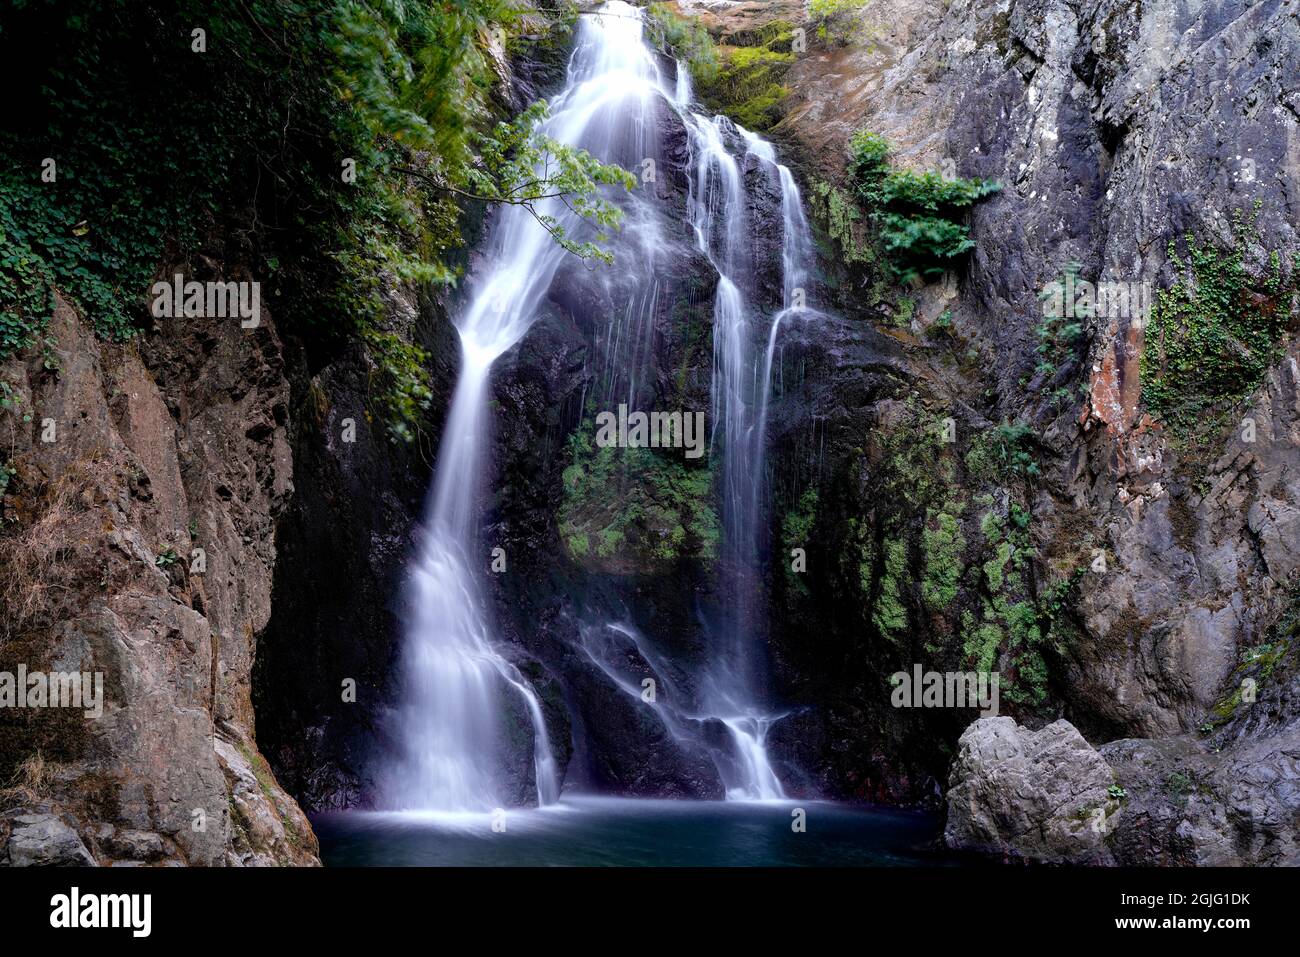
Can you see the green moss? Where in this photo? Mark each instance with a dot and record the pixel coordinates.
(839, 215)
(1257, 664)
(748, 84)
(796, 530)
(609, 541)
(993, 568)
(837, 21)
(1265, 657)
(992, 617)
(942, 544)
(1214, 334)
(982, 641)
(798, 523)
(862, 556)
(635, 505)
(906, 309)
(1002, 452)
(890, 614)
(917, 466)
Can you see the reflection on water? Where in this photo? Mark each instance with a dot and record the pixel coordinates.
(591, 831)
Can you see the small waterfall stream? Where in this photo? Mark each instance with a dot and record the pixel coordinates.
(721, 150)
(453, 676)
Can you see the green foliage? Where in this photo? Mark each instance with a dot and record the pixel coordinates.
(1013, 622)
(159, 149)
(122, 181)
(404, 381)
(905, 311)
(942, 545)
(635, 505)
(840, 216)
(997, 454)
(916, 468)
(747, 84)
(912, 472)
(1177, 785)
(11, 401)
(685, 37)
(837, 21)
(796, 529)
(930, 192)
(982, 641)
(1215, 333)
(890, 613)
(983, 607)
(1059, 336)
(918, 216)
(868, 159)
(922, 246)
(507, 171)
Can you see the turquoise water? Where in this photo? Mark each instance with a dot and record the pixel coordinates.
(590, 831)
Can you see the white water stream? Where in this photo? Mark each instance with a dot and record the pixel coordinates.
(453, 676)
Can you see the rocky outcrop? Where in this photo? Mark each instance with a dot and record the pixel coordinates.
(1049, 797)
(322, 685)
(1039, 795)
(1114, 128)
(148, 479)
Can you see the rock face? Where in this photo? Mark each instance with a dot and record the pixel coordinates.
(1045, 796)
(37, 840)
(148, 482)
(1040, 795)
(1114, 128)
(1106, 124)
(343, 544)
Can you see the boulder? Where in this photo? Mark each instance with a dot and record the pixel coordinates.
(44, 840)
(1037, 795)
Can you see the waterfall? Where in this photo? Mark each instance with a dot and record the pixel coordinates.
(741, 386)
(453, 675)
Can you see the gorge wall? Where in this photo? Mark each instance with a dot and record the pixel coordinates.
(148, 488)
(1127, 736)
(1114, 129)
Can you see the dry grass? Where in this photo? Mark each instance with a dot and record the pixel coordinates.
(28, 784)
(30, 570)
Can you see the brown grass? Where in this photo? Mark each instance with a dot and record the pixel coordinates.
(28, 783)
(30, 570)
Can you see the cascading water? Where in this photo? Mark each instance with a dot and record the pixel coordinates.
(741, 384)
(721, 153)
(453, 675)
